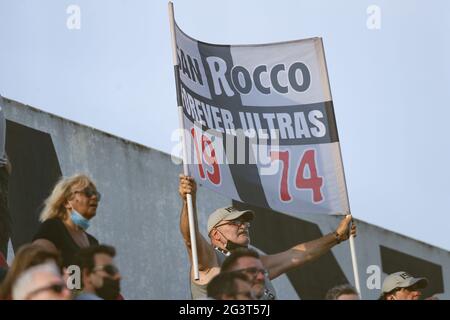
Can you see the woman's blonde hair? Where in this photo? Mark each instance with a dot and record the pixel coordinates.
(62, 192)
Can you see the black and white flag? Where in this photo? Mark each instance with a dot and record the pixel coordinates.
(260, 124)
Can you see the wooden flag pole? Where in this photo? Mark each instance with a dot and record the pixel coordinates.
(192, 231)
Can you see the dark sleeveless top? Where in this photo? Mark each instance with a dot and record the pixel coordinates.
(56, 232)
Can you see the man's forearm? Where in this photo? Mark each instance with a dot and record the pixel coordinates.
(205, 253)
(311, 250)
(185, 230)
(279, 263)
(184, 222)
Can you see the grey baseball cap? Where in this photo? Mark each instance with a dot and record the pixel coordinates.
(227, 213)
(402, 279)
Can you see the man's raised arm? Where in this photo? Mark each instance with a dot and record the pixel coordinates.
(206, 256)
(279, 263)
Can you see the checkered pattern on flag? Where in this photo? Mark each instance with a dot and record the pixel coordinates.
(260, 124)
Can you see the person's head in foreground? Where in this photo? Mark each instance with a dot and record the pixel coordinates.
(342, 292)
(41, 282)
(100, 275)
(230, 286)
(402, 286)
(248, 262)
(28, 255)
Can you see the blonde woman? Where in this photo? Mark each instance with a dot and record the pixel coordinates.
(66, 217)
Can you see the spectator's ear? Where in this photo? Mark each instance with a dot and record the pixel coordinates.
(215, 234)
(67, 205)
(65, 274)
(3, 263)
(85, 274)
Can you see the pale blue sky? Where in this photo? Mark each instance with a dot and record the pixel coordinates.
(390, 86)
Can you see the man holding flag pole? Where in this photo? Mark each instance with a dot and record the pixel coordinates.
(228, 230)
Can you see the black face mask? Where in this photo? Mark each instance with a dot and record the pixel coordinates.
(110, 289)
(230, 245)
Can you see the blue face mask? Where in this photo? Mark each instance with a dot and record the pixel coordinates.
(79, 220)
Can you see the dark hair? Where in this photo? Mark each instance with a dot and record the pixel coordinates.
(337, 291)
(230, 261)
(29, 255)
(385, 295)
(86, 256)
(224, 284)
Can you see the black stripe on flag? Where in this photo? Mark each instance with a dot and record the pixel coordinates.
(245, 176)
(325, 108)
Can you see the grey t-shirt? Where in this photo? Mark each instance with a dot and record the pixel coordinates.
(2, 135)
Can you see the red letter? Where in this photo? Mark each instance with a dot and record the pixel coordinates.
(283, 156)
(197, 152)
(214, 176)
(314, 182)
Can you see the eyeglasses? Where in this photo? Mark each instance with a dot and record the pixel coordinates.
(110, 269)
(237, 223)
(56, 288)
(253, 272)
(414, 287)
(89, 192)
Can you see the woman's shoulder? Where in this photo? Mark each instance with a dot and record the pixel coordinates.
(52, 223)
(92, 240)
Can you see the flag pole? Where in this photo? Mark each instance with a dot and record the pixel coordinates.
(355, 264)
(183, 137)
(351, 238)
